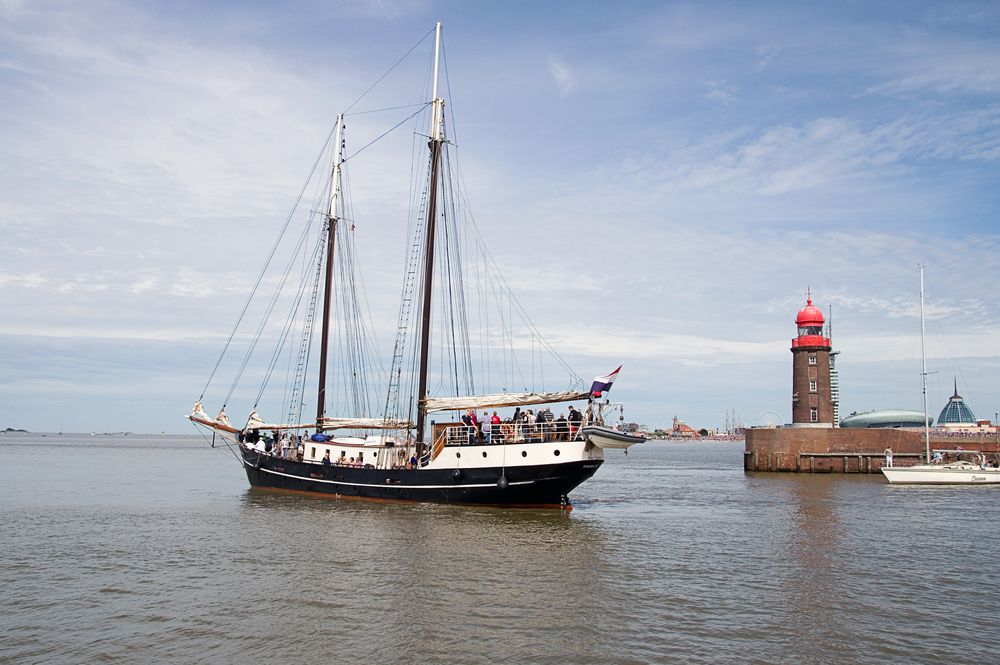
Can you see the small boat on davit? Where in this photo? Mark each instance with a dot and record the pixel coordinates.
(436, 424)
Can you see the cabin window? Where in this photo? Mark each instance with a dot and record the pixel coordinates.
(813, 415)
(812, 385)
(812, 358)
(313, 454)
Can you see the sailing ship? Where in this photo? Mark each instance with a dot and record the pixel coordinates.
(935, 471)
(412, 443)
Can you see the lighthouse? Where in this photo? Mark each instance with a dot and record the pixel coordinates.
(812, 402)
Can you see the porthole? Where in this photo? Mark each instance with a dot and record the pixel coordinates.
(484, 454)
(557, 453)
(524, 453)
(458, 454)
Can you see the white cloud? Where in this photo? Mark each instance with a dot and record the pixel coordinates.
(669, 209)
(928, 64)
(564, 77)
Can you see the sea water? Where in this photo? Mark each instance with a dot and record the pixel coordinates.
(154, 549)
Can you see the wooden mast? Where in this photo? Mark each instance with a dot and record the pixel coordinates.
(331, 231)
(437, 106)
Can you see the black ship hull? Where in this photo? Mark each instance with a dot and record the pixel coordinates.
(527, 486)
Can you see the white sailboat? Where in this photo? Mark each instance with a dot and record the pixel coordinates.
(934, 471)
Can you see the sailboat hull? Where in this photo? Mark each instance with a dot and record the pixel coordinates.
(544, 485)
(948, 474)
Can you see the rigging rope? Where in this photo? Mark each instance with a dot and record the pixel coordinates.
(267, 263)
(389, 71)
(388, 131)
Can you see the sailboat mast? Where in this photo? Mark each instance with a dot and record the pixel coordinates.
(331, 229)
(437, 107)
(923, 368)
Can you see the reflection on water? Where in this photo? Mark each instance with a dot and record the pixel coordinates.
(154, 549)
(425, 577)
(812, 582)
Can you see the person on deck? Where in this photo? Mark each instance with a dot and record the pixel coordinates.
(477, 428)
(495, 425)
(469, 420)
(562, 427)
(575, 418)
(326, 459)
(888, 457)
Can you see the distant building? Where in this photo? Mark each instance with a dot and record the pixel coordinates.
(956, 413)
(885, 418)
(682, 430)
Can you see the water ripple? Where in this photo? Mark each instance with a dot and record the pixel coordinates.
(672, 553)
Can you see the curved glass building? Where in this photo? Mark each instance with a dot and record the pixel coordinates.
(956, 411)
(886, 418)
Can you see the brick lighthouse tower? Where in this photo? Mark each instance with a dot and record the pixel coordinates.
(812, 403)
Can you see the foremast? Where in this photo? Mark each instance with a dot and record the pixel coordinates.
(331, 231)
(435, 144)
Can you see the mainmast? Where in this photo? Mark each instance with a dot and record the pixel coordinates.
(437, 108)
(331, 229)
(923, 368)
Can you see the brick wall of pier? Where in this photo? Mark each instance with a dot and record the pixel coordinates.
(838, 450)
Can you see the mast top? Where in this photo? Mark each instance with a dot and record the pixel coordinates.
(437, 103)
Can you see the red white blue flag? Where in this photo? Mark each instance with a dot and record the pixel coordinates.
(602, 383)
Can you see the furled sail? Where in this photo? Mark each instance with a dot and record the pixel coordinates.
(497, 400)
(255, 422)
(365, 423)
(221, 421)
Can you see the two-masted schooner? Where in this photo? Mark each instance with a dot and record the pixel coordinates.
(432, 437)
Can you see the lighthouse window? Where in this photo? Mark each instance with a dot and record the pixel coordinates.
(812, 386)
(812, 358)
(813, 415)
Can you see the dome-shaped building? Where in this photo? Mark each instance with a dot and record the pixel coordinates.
(894, 418)
(956, 411)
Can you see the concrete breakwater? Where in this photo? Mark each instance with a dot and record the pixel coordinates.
(835, 450)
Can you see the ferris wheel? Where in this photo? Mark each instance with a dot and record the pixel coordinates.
(769, 419)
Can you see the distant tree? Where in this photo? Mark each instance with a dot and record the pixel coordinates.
(630, 427)
(703, 432)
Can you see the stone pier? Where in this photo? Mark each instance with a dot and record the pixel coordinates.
(837, 450)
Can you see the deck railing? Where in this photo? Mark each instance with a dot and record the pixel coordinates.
(463, 435)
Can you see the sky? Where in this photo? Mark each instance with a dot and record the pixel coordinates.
(660, 182)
